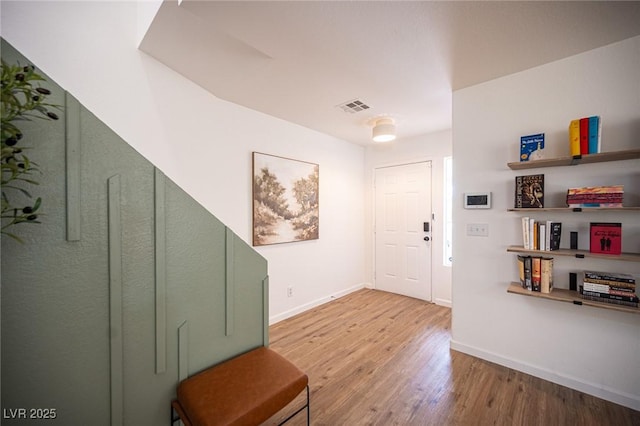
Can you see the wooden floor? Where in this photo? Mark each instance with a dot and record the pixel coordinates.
(375, 358)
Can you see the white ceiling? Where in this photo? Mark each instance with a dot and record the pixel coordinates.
(298, 60)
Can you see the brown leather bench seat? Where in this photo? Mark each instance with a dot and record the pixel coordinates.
(245, 390)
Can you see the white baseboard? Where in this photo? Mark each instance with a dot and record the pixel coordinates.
(302, 308)
(443, 302)
(613, 395)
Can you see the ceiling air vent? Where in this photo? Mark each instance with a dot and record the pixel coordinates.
(353, 106)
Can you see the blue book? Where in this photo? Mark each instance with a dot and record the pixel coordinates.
(531, 147)
(594, 134)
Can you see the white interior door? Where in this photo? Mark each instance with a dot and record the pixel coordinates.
(402, 213)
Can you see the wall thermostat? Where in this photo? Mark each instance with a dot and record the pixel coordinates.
(477, 200)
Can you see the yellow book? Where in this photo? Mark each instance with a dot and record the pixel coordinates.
(574, 137)
(546, 275)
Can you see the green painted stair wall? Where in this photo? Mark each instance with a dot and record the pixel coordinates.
(127, 286)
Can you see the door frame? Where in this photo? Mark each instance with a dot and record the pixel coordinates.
(373, 213)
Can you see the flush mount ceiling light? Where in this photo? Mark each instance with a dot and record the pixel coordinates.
(384, 130)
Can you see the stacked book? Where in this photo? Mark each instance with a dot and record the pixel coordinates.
(609, 287)
(596, 196)
(536, 273)
(585, 135)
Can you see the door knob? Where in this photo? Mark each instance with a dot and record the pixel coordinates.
(427, 238)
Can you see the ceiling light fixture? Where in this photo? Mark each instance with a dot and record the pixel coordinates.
(384, 130)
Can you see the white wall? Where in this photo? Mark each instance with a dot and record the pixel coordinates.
(589, 349)
(201, 142)
(432, 147)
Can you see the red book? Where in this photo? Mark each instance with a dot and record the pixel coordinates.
(584, 136)
(605, 238)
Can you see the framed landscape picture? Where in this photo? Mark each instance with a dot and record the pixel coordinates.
(285, 200)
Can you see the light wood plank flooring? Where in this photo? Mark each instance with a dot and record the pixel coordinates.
(375, 358)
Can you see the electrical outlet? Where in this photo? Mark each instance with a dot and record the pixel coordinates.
(289, 291)
(478, 229)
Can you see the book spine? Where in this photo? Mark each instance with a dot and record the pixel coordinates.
(612, 301)
(574, 137)
(608, 205)
(602, 288)
(536, 273)
(527, 272)
(597, 197)
(596, 189)
(594, 132)
(610, 276)
(525, 233)
(546, 279)
(543, 237)
(584, 136)
(547, 241)
(521, 271)
(531, 234)
(556, 233)
(610, 296)
(616, 284)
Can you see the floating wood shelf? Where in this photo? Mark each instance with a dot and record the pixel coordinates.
(576, 160)
(628, 257)
(562, 295)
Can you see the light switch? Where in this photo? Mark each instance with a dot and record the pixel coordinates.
(478, 229)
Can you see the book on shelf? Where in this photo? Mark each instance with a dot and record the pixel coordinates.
(555, 234)
(596, 196)
(574, 137)
(614, 285)
(531, 147)
(521, 274)
(540, 235)
(529, 191)
(546, 275)
(527, 272)
(605, 238)
(525, 232)
(595, 134)
(585, 135)
(536, 273)
(610, 277)
(609, 287)
(596, 297)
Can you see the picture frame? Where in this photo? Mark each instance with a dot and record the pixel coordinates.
(285, 194)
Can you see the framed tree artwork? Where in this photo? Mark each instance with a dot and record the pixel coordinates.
(285, 200)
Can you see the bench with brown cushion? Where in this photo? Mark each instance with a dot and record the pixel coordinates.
(245, 390)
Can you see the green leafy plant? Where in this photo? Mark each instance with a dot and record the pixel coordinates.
(22, 100)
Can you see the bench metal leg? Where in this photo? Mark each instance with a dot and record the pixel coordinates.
(307, 406)
(172, 416)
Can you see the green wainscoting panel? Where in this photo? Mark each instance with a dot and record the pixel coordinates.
(72, 151)
(265, 308)
(183, 351)
(230, 282)
(161, 272)
(127, 286)
(115, 302)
